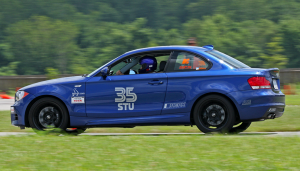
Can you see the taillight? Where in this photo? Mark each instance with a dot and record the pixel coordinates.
(259, 83)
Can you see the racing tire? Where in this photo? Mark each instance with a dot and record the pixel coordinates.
(48, 113)
(214, 113)
(240, 128)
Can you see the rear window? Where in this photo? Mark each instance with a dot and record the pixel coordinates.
(184, 61)
(228, 59)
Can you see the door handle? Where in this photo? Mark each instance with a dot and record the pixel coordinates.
(155, 82)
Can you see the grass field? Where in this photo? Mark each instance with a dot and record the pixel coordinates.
(290, 121)
(198, 152)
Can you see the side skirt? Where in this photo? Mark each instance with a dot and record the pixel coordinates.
(171, 119)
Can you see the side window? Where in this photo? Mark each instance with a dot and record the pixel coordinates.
(130, 66)
(184, 61)
(124, 66)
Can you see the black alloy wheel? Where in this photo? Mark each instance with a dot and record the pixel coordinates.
(214, 113)
(48, 113)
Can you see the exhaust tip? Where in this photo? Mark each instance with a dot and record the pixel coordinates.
(271, 116)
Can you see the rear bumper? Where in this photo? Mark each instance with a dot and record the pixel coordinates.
(256, 104)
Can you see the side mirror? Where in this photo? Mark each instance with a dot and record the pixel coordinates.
(104, 72)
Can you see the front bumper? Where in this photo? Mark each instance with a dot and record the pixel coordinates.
(17, 114)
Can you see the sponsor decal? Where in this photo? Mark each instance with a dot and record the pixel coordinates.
(125, 95)
(185, 67)
(174, 105)
(77, 100)
(76, 93)
(202, 64)
(185, 61)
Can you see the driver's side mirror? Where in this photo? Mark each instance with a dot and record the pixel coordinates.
(104, 72)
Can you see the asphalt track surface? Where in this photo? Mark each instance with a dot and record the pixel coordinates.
(244, 134)
(6, 103)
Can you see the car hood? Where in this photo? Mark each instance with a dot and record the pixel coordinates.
(65, 80)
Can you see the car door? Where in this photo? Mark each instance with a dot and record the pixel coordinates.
(186, 73)
(120, 96)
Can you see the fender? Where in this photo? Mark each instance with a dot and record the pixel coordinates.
(64, 93)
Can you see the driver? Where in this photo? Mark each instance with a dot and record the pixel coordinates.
(148, 65)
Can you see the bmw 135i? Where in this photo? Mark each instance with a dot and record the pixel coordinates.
(169, 85)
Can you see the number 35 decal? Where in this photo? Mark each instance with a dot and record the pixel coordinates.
(125, 95)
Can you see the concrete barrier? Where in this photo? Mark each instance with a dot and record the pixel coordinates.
(290, 75)
(12, 82)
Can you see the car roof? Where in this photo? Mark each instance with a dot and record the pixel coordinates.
(161, 48)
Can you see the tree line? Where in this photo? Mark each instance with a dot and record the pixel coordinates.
(77, 36)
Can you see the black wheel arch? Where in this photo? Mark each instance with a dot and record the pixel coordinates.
(237, 115)
(36, 99)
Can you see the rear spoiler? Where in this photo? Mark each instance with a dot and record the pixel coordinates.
(274, 72)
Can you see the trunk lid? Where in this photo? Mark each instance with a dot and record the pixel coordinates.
(271, 74)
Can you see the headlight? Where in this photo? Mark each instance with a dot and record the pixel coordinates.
(20, 95)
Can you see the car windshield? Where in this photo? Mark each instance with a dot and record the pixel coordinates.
(228, 59)
(99, 68)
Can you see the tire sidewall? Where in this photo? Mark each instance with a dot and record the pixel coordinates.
(229, 111)
(40, 104)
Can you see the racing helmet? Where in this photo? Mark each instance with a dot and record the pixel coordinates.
(149, 64)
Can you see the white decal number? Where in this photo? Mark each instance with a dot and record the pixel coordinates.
(121, 95)
(125, 94)
(129, 94)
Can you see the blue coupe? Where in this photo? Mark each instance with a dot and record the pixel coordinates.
(169, 85)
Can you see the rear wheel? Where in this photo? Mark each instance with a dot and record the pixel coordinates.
(214, 113)
(240, 127)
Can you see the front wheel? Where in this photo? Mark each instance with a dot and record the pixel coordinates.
(48, 113)
(214, 113)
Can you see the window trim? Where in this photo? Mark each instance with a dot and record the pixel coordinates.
(210, 64)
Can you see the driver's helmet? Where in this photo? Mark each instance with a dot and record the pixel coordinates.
(149, 64)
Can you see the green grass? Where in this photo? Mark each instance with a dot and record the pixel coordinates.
(290, 121)
(293, 99)
(149, 153)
